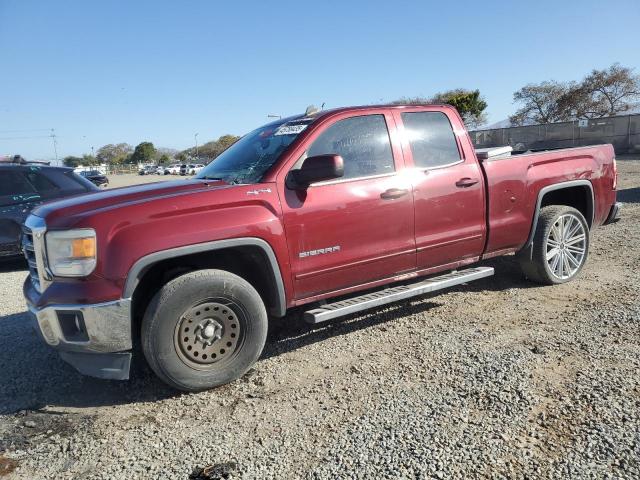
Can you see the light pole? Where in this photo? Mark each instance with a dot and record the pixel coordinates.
(196, 137)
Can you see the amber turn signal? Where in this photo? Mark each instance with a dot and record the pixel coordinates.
(83, 247)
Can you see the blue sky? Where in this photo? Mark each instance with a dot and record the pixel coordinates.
(130, 71)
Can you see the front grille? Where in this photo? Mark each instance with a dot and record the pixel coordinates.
(30, 254)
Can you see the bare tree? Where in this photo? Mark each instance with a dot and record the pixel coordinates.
(602, 93)
(611, 91)
(540, 103)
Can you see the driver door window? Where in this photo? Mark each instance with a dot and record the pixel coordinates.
(362, 142)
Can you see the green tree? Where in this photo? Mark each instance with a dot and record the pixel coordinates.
(164, 159)
(210, 150)
(72, 161)
(89, 160)
(470, 104)
(143, 153)
(114, 153)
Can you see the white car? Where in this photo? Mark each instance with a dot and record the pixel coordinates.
(175, 169)
(196, 168)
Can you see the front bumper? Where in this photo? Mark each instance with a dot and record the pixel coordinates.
(92, 338)
(614, 213)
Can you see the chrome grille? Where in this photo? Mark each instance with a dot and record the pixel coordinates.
(33, 232)
(30, 255)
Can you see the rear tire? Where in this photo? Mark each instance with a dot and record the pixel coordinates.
(204, 329)
(560, 246)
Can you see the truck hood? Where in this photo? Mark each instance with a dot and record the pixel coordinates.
(71, 207)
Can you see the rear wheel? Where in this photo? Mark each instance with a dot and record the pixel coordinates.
(560, 246)
(204, 329)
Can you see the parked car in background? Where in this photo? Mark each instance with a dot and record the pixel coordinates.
(95, 177)
(23, 187)
(308, 209)
(175, 169)
(148, 170)
(191, 168)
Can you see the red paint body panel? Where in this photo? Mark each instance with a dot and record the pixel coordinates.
(436, 225)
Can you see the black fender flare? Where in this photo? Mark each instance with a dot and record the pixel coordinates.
(526, 249)
(139, 268)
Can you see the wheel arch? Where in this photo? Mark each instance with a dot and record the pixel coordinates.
(252, 255)
(573, 193)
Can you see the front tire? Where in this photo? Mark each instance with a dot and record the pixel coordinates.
(204, 329)
(560, 246)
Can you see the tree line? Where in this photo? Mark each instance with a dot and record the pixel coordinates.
(601, 93)
(146, 152)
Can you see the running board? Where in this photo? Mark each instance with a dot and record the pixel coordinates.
(330, 311)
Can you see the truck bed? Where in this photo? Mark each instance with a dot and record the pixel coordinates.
(514, 184)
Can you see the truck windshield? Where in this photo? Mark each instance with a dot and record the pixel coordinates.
(247, 160)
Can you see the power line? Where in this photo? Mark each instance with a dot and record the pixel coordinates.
(25, 138)
(26, 130)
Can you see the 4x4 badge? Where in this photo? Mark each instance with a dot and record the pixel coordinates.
(258, 192)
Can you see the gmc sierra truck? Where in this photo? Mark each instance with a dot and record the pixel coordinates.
(337, 211)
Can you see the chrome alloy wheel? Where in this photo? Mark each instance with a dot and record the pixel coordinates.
(207, 334)
(566, 246)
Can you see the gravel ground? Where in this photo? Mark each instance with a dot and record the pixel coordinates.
(499, 379)
(126, 179)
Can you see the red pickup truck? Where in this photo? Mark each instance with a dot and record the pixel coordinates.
(337, 211)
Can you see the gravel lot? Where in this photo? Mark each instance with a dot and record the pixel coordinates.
(499, 379)
(126, 179)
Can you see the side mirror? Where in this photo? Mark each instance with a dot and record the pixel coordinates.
(316, 169)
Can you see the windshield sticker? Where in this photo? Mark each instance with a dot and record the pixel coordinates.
(290, 129)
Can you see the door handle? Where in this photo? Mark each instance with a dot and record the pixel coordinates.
(466, 182)
(393, 193)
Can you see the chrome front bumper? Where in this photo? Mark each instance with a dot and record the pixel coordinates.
(93, 338)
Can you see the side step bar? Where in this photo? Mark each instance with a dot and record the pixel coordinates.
(393, 294)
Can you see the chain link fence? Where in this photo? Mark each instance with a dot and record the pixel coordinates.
(623, 132)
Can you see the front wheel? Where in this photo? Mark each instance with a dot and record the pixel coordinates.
(560, 246)
(204, 329)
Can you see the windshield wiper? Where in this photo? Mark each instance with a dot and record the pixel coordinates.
(211, 178)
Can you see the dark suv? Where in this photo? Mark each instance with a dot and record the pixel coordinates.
(25, 185)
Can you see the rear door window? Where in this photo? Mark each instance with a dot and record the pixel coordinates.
(431, 139)
(362, 142)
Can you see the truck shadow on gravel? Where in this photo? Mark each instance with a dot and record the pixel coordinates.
(33, 376)
(13, 265)
(629, 195)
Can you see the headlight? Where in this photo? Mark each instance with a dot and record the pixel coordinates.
(71, 253)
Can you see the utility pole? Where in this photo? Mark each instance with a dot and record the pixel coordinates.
(196, 137)
(55, 144)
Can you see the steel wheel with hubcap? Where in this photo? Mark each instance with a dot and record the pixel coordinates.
(207, 333)
(204, 329)
(560, 246)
